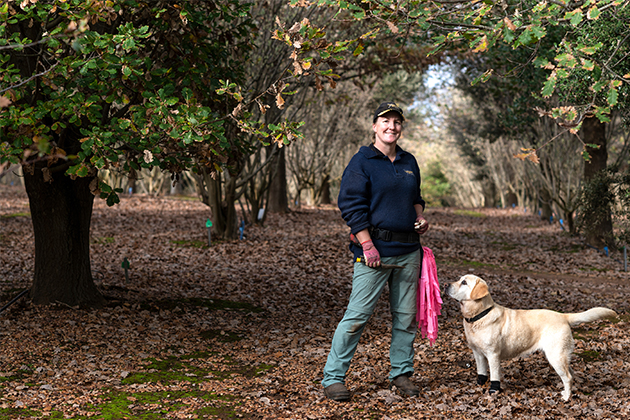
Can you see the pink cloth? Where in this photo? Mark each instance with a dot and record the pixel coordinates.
(429, 302)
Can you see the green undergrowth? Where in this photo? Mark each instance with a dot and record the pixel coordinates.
(163, 404)
(21, 413)
(105, 240)
(116, 405)
(587, 334)
(21, 214)
(191, 244)
(194, 368)
(572, 249)
(186, 372)
(470, 213)
(506, 246)
(589, 355)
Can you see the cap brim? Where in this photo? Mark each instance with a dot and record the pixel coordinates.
(391, 110)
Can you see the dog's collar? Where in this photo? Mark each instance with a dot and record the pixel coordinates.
(479, 316)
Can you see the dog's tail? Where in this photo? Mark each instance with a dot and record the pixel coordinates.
(589, 316)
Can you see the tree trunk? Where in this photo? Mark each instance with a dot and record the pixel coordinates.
(545, 205)
(594, 132)
(61, 212)
(489, 194)
(324, 196)
(278, 202)
(223, 211)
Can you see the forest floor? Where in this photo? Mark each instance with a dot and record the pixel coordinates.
(242, 329)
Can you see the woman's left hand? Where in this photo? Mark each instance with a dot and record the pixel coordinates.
(421, 225)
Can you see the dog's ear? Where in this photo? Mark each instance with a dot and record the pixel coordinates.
(480, 290)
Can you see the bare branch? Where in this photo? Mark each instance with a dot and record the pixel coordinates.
(32, 44)
(29, 79)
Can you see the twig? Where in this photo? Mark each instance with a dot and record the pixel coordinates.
(32, 44)
(30, 78)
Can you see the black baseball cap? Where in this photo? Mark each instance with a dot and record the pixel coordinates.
(386, 107)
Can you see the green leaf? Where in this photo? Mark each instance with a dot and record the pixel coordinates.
(549, 87)
(82, 171)
(539, 32)
(541, 62)
(509, 35)
(358, 50)
(602, 113)
(575, 17)
(171, 101)
(105, 188)
(593, 13)
(588, 65)
(590, 50)
(113, 199)
(599, 85)
(482, 78)
(566, 60)
(129, 44)
(562, 73)
(124, 123)
(613, 95)
(99, 163)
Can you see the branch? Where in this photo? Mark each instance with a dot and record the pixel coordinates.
(30, 78)
(32, 44)
(274, 152)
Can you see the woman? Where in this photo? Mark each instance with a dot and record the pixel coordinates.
(380, 200)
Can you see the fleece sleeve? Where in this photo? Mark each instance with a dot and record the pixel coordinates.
(419, 199)
(354, 198)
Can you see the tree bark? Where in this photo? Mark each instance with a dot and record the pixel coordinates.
(212, 191)
(324, 197)
(545, 205)
(600, 233)
(278, 202)
(61, 212)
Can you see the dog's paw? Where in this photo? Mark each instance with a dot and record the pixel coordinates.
(495, 387)
(481, 379)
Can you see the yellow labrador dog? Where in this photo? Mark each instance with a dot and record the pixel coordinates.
(495, 333)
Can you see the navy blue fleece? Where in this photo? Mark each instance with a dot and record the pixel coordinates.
(380, 193)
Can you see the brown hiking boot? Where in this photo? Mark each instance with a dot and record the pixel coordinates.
(337, 392)
(404, 384)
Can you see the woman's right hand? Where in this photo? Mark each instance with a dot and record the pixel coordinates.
(371, 255)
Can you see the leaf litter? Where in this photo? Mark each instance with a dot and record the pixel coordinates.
(241, 329)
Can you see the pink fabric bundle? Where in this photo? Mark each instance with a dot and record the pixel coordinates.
(429, 302)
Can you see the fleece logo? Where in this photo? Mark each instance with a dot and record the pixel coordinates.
(408, 172)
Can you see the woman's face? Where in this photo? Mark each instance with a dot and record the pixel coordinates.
(388, 128)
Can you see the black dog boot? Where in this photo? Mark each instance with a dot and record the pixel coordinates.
(481, 379)
(495, 387)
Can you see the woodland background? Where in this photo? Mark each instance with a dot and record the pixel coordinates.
(127, 127)
(241, 329)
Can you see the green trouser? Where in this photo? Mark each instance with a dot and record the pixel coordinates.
(367, 286)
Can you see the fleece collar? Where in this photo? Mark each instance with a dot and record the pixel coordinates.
(371, 151)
